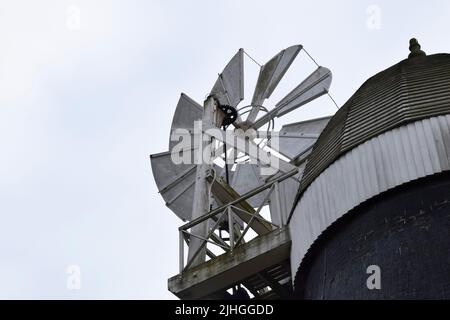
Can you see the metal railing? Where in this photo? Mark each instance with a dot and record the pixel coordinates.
(229, 210)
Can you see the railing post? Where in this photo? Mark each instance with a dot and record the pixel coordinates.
(231, 227)
(181, 251)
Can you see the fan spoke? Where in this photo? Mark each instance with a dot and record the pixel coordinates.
(229, 87)
(270, 75)
(314, 86)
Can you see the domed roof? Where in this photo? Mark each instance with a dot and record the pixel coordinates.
(413, 89)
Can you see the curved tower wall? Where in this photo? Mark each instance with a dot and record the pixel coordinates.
(404, 232)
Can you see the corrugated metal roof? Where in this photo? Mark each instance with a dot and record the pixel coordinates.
(411, 90)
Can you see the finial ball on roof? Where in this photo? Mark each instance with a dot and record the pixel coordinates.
(414, 47)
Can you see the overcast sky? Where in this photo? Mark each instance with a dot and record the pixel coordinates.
(88, 90)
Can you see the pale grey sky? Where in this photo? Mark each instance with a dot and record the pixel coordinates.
(88, 90)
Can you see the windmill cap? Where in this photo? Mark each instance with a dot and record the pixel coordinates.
(401, 94)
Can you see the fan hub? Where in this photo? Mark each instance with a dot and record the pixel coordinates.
(230, 114)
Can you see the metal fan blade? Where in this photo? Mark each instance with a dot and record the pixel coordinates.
(246, 177)
(281, 202)
(229, 87)
(314, 86)
(269, 77)
(297, 138)
(186, 113)
(317, 84)
(175, 183)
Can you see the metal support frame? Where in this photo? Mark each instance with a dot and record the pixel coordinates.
(266, 255)
(204, 242)
(197, 251)
(230, 227)
(227, 209)
(255, 215)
